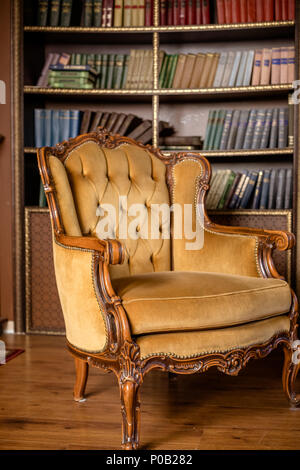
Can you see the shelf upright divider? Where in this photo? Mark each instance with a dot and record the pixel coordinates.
(155, 96)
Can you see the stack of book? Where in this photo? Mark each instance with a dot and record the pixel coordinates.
(252, 11)
(228, 69)
(229, 129)
(174, 13)
(56, 125)
(250, 189)
(95, 13)
(72, 76)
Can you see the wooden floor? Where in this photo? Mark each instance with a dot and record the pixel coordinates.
(207, 411)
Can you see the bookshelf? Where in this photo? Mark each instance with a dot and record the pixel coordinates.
(35, 41)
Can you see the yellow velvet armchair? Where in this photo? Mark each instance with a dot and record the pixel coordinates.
(167, 301)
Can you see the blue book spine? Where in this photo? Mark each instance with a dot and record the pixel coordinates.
(55, 126)
(48, 127)
(39, 127)
(64, 124)
(74, 122)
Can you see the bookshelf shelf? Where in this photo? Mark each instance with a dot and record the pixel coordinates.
(283, 154)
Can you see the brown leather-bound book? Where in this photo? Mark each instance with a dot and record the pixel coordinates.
(117, 125)
(140, 130)
(95, 122)
(85, 121)
(266, 67)
(256, 73)
(130, 123)
(104, 119)
(176, 140)
(195, 80)
(213, 70)
(188, 71)
(206, 70)
(179, 70)
(111, 121)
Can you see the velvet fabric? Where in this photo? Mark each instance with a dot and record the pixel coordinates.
(195, 343)
(181, 301)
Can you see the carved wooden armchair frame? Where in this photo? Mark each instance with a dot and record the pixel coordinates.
(122, 355)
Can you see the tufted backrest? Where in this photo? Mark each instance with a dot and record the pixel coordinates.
(92, 177)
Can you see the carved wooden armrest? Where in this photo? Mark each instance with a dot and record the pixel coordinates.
(280, 239)
(112, 251)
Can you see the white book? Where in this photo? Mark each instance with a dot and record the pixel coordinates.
(220, 70)
(228, 68)
(241, 71)
(249, 68)
(234, 71)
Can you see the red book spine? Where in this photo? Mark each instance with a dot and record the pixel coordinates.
(291, 10)
(284, 6)
(260, 16)
(243, 6)
(191, 12)
(228, 11)
(182, 12)
(220, 11)
(163, 12)
(236, 11)
(148, 12)
(205, 11)
(104, 13)
(278, 10)
(109, 12)
(251, 11)
(198, 12)
(170, 13)
(269, 10)
(175, 13)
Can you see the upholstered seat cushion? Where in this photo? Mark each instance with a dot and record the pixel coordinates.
(178, 301)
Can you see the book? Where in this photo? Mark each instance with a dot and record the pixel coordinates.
(241, 69)
(189, 67)
(265, 67)
(220, 70)
(288, 189)
(279, 202)
(66, 11)
(205, 11)
(273, 181)
(39, 127)
(180, 71)
(169, 82)
(249, 68)
(47, 127)
(234, 71)
(118, 123)
(85, 123)
(260, 15)
(235, 197)
(228, 69)
(291, 64)
(141, 13)
(178, 140)
(265, 190)
(140, 130)
(228, 11)
(110, 70)
(226, 130)
(206, 70)
(257, 191)
(127, 13)
(87, 13)
(242, 127)
(229, 181)
(148, 13)
(284, 65)
(213, 130)
(256, 73)
(243, 5)
(274, 128)
(97, 13)
(130, 123)
(52, 59)
(233, 129)
(220, 188)
(220, 4)
(118, 13)
(258, 128)
(251, 11)
(250, 130)
(74, 122)
(210, 120)
(213, 69)
(109, 13)
(266, 129)
(275, 67)
(42, 12)
(269, 10)
(249, 190)
(55, 127)
(219, 129)
(111, 121)
(283, 128)
(198, 67)
(95, 122)
(54, 12)
(118, 71)
(232, 190)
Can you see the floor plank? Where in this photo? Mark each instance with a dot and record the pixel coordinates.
(208, 411)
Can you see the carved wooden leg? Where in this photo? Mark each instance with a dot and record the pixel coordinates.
(130, 408)
(82, 369)
(289, 373)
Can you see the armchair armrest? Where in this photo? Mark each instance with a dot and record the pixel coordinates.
(112, 251)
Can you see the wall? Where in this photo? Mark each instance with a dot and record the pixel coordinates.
(6, 163)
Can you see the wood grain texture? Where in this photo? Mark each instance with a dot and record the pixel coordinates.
(208, 411)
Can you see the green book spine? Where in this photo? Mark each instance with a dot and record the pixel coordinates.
(168, 71)
(54, 12)
(77, 59)
(88, 13)
(56, 75)
(125, 70)
(110, 71)
(91, 60)
(213, 130)
(172, 71)
(42, 13)
(118, 71)
(104, 71)
(98, 67)
(66, 11)
(83, 59)
(211, 116)
(73, 59)
(163, 70)
(226, 190)
(85, 86)
(97, 16)
(219, 130)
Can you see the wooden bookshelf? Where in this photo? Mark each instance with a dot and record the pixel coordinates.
(27, 96)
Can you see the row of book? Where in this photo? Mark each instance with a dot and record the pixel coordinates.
(246, 129)
(56, 125)
(95, 13)
(251, 189)
(181, 12)
(252, 11)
